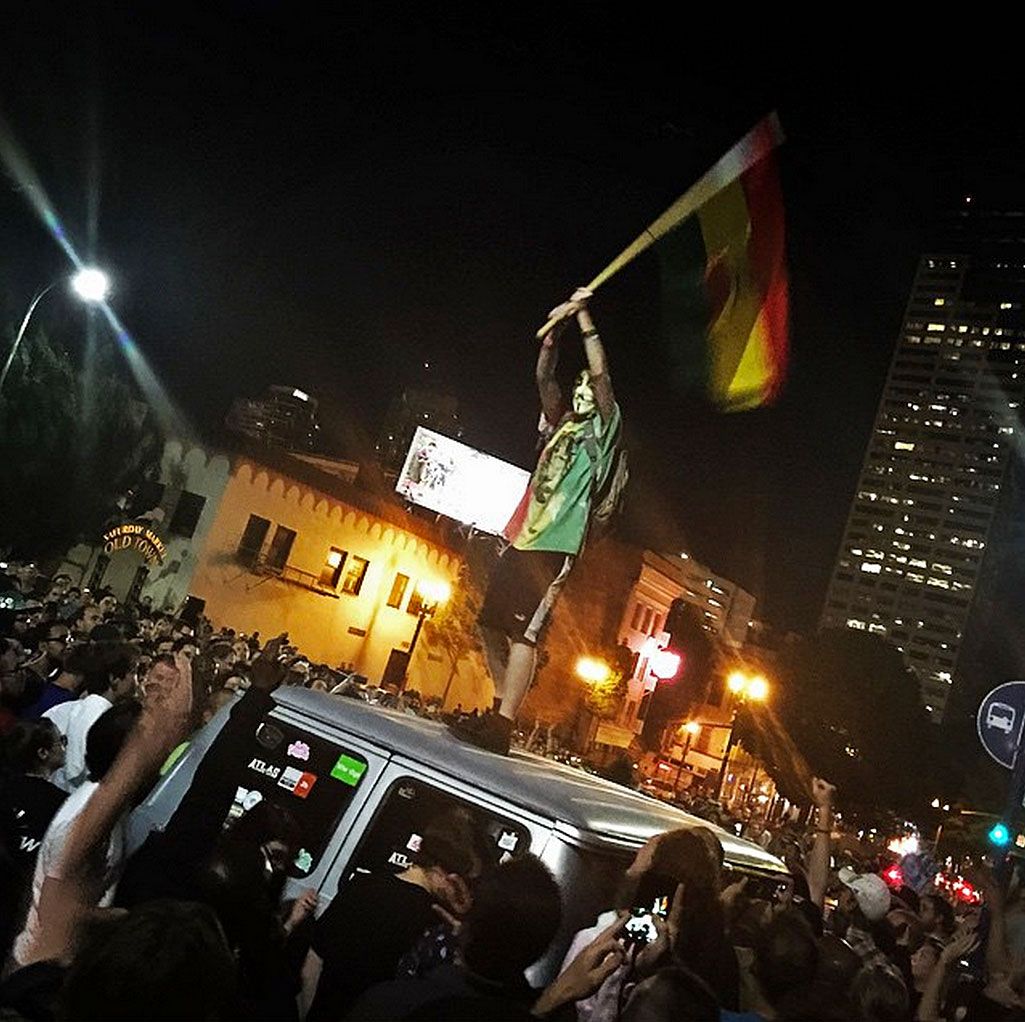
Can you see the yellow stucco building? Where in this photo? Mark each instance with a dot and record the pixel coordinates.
(286, 546)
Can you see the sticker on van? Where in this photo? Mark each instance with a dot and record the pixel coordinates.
(348, 770)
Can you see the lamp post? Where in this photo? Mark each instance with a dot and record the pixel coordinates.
(692, 728)
(431, 594)
(90, 284)
(744, 687)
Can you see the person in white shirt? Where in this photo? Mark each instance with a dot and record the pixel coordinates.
(109, 680)
(103, 744)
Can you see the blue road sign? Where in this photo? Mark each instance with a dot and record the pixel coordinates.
(1000, 720)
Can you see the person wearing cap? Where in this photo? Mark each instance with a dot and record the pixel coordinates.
(861, 907)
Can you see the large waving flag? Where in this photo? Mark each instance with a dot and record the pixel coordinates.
(724, 280)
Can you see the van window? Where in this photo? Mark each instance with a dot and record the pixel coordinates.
(408, 807)
(313, 778)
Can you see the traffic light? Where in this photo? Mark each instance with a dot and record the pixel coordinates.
(999, 835)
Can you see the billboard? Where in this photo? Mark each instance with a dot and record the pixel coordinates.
(453, 479)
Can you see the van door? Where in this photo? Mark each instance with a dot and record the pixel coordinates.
(408, 796)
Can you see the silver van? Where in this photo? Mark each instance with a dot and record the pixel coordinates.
(362, 782)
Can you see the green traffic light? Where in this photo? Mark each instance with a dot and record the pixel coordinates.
(999, 835)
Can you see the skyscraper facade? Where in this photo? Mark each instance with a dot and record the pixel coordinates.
(917, 539)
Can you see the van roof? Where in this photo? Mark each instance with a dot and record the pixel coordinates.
(591, 808)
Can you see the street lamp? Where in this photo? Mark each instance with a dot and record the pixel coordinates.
(691, 729)
(431, 594)
(90, 284)
(592, 670)
(744, 687)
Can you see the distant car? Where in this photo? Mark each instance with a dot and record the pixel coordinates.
(1001, 716)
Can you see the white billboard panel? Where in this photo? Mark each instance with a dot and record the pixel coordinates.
(450, 478)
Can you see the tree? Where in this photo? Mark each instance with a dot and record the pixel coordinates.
(453, 630)
(72, 444)
(845, 707)
(605, 699)
(672, 699)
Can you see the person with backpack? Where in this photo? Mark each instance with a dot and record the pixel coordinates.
(575, 491)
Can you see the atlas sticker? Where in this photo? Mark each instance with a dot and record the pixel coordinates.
(348, 770)
(297, 782)
(267, 769)
(414, 842)
(299, 750)
(508, 840)
(400, 860)
(303, 861)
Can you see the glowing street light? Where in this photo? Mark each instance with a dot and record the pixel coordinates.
(744, 686)
(432, 593)
(592, 670)
(89, 284)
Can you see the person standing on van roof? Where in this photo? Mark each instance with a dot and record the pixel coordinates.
(577, 485)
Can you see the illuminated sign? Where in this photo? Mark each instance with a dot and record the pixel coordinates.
(135, 537)
(452, 479)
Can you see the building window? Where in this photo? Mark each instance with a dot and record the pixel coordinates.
(649, 614)
(635, 623)
(354, 576)
(332, 570)
(398, 590)
(135, 591)
(186, 514)
(280, 547)
(99, 570)
(251, 543)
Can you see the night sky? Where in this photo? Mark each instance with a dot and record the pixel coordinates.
(286, 198)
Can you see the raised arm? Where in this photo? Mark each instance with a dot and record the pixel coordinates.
(604, 398)
(547, 386)
(67, 899)
(822, 793)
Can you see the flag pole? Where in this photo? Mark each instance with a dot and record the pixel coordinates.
(765, 136)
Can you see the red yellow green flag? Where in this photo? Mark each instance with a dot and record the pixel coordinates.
(721, 247)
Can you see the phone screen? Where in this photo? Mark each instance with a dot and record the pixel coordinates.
(640, 928)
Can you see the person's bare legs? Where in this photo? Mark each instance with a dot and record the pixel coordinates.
(518, 676)
(496, 653)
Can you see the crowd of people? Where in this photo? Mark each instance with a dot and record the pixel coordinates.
(97, 699)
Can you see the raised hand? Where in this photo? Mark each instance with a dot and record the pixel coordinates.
(586, 973)
(822, 792)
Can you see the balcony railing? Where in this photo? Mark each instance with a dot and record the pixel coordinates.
(286, 573)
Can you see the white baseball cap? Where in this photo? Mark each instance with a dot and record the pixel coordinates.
(870, 890)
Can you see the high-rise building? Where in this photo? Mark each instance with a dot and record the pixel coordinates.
(285, 417)
(932, 484)
(415, 407)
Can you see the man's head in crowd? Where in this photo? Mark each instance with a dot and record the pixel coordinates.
(863, 900)
(55, 644)
(186, 645)
(33, 747)
(786, 956)
(516, 911)
(672, 993)
(166, 960)
(112, 671)
(877, 995)
(936, 915)
(107, 602)
(107, 735)
(86, 620)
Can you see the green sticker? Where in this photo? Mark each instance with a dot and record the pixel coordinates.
(348, 770)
